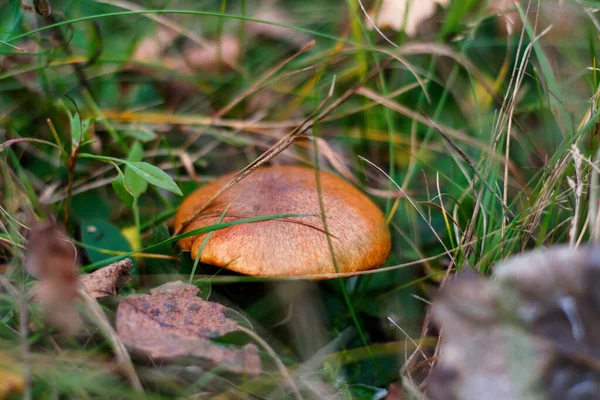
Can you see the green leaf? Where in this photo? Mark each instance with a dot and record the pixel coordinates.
(154, 175)
(76, 131)
(122, 190)
(92, 204)
(143, 134)
(135, 184)
(101, 239)
(148, 172)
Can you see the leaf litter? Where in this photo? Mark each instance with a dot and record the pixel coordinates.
(52, 259)
(107, 281)
(532, 332)
(172, 322)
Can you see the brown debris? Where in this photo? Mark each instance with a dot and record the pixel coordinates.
(403, 14)
(107, 281)
(532, 333)
(151, 48)
(218, 55)
(279, 15)
(172, 322)
(52, 258)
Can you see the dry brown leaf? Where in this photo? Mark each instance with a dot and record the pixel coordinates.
(533, 332)
(275, 14)
(151, 48)
(215, 56)
(52, 258)
(173, 322)
(12, 380)
(108, 280)
(564, 17)
(407, 14)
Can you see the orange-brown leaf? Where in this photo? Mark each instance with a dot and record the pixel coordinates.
(172, 322)
(108, 280)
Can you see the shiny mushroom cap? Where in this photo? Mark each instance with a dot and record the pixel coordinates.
(295, 246)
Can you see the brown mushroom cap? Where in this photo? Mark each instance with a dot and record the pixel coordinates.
(292, 246)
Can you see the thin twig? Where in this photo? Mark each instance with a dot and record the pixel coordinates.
(290, 138)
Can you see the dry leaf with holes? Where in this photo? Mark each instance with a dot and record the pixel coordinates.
(108, 280)
(52, 258)
(533, 332)
(12, 380)
(172, 322)
(407, 14)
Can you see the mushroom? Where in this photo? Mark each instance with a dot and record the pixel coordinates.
(296, 246)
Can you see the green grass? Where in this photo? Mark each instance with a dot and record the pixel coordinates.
(82, 122)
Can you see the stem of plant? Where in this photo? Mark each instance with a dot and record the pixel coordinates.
(71, 169)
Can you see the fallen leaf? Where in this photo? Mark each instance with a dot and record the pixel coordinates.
(108, 280)
(565, 18)
(407, 14)
(509, 16)
(173, 322)
(151, 48)
(532, 332)
(222, 54)
(52, 258)
(276, 14)
(12, 380)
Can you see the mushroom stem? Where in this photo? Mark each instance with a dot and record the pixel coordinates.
(282, 369)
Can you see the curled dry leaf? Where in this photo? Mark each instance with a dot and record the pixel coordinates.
(52, 258)
(108, 280)
(531, 333)
(173, 322)
(407, 14)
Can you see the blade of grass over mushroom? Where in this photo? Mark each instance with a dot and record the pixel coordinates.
(342, 284)
(269, 154)
(195, 232)
(203, 245)
(316, 116)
